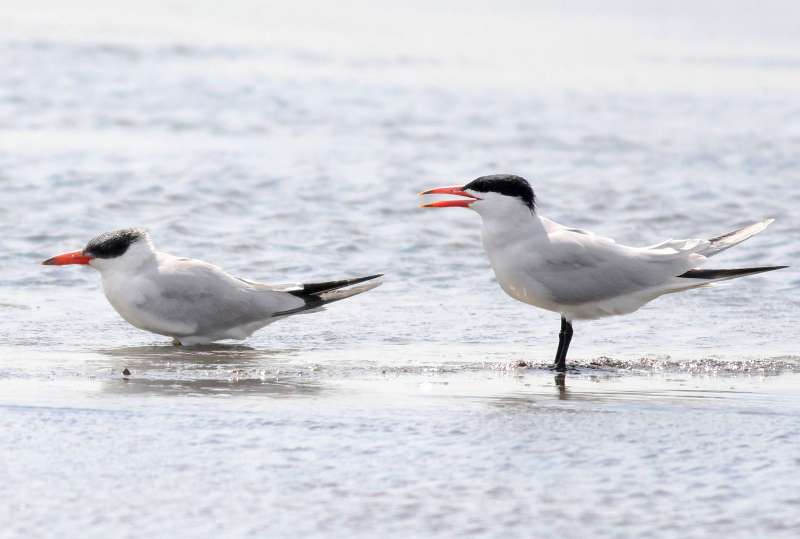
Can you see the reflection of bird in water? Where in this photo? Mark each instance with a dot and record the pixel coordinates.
(209, 369)
(189, 361)
(195, 302)
(240, 386)
(210, 354)
(574, 272)
(560, 380)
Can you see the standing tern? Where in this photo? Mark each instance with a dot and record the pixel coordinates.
(574, 272)
(195, 302)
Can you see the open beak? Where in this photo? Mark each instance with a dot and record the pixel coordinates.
(457, 190)
(73, 257)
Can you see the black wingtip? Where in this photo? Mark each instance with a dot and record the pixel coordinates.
(727, 273)
(317, 288)
(311, 293)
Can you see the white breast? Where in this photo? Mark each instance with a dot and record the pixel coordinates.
(131, 295)
(511, 262)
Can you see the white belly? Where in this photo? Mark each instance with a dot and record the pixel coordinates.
(521, 286)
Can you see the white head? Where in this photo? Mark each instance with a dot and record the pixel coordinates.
(500, 196)
(121, 250)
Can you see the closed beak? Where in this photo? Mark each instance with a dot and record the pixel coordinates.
(73, 257)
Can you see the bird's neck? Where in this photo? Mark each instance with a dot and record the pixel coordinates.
(511, 228)
(139, 263)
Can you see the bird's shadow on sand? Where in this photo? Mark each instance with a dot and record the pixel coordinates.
(209, 370)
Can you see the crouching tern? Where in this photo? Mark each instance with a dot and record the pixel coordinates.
(192, 301)
(574, 272)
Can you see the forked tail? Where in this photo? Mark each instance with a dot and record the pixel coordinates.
(317, 295)
(726, 241)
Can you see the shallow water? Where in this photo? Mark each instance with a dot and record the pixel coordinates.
(288, 143)
(242, 442)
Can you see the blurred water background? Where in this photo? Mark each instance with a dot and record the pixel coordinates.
(287, 142)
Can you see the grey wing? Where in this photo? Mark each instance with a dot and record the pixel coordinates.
(578, 268)
(209, 300)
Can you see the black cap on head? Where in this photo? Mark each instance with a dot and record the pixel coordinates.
(113, 244)
(505, 184)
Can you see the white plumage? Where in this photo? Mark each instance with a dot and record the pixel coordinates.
(192, 301)
(574, 272)
(585, 276)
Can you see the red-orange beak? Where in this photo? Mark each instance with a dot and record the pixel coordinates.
(73, 257)
(457, 190)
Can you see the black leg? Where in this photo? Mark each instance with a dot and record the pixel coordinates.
(564, 338)
(560, 341)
